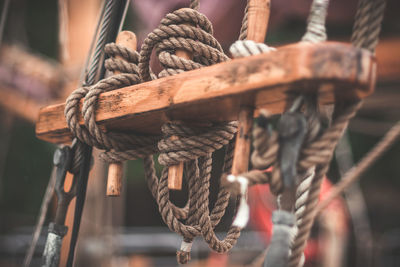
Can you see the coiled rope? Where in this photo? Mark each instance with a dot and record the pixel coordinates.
(185, 29)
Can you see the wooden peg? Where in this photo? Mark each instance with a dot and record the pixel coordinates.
(243, 141)
(175, 172)
(258, 16)
(116, 170)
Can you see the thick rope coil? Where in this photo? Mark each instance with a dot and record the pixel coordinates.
(188, 30)
(184, 29)
(192, 144)
(119, 146)
(198, 220)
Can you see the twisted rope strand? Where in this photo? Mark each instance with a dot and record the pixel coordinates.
(354, 173)
(119, 146)
(188, 30)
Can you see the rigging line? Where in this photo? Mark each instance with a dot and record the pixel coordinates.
(80, 199)
(42, 216)
(50, 187)
(111, 20)
(92, 43)
(355, 172)
(356, 205)
(3, 19)
(101, 41)
(103, 38)
(124, 12)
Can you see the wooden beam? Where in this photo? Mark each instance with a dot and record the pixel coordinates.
(175, 172)
(214, 93)
(388, 59)
(19, 103)
(258, 17)
(128, 40)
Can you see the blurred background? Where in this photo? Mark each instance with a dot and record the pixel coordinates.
(42, 51)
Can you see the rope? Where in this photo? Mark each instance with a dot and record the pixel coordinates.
(184, 29)
(194, 4)
(316, 31)
(245, 25)
(367, 25)
(188, 30)
(354, 173)
(315, 154)
(119, 146)
(320, 152)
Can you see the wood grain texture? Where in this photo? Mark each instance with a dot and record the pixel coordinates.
(258, 17)
(175, 172)
(243, 141)
(215, 93)
(388, 58)
(125, 39)
(114, 179)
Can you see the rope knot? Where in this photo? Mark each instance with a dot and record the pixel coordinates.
(119, 146)
(182, 143)
(245, 48)
(184, 29)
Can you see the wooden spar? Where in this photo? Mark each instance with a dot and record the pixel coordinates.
(175, 172)
(116, 170)
(258, 17)
(214, 93)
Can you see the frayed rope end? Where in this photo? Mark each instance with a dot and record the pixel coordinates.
(183, 255)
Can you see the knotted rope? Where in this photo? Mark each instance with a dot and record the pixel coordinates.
(188, 30)
(184, 29)
(365, 35)
(195, 219)
(119, 146)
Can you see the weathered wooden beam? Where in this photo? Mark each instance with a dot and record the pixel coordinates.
(128, 40)
(175, 172)
(215, 93)
(258, 17)
(388, 58)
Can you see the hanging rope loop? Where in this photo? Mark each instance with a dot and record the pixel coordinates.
(184, 29)
(192, 143)
(119, 146)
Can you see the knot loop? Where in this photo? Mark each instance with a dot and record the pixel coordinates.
(245, 48)
(184, 29)
(119, 146)
(192, 142)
